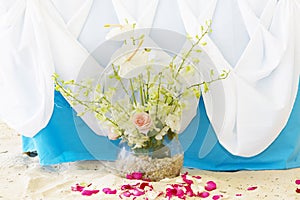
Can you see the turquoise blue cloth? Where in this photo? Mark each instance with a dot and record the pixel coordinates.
(67, 138)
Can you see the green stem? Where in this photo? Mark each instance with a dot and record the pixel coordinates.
(191, 49)
(141, 90)
(120, 80)
(132, 91)
(211, 81)
(68, 94)
(158, 93)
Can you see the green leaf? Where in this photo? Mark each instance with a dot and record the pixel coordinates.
(147, 49)
(205, 87)
(189, 37)
(202, 28)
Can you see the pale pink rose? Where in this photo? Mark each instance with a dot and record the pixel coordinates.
(113, 134)
(142, 121)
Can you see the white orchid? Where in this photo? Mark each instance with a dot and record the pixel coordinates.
(173, 121)
(120, 32)
(132, 61)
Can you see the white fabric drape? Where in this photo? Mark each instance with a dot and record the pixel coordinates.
(36, 42)
(261, 89)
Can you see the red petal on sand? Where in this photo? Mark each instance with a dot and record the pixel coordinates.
(137, 193)
(216, 197)
(187, 181)
(189, 191)
(252, 188)
(146, 184)
(126, 194)
(203, 194)
(109, 191)
(298, 190)
(135, 175)
(77, 188)
(129, 176)
(297, 182)
(210, 185)
(89, 192)
(238, 195)
(197, 177)
(170, 192)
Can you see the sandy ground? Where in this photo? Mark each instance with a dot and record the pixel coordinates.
(22, 177)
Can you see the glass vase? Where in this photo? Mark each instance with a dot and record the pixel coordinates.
(155, 164)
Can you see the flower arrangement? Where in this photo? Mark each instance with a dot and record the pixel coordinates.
(138, 101)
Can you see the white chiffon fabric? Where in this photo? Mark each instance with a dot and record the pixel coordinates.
(247, 110)
(261, 89)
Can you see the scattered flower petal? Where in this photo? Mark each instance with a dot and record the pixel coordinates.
(126, 194)
(89, 192)
(298, 190)
(146, 184)
(297, 181)
(137, 193)
(109, 191)
(77, 188)
(127, 187)
(184, 178)
(238, 195)
(203, 194)
(189, 191)
(216, 197)
(197, 177)
(252, 188)
(135, 176)
(210, 185)
(129, 176)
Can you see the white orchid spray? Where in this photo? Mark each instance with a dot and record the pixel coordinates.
(145, 106)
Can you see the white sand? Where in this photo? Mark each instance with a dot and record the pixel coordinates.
(23, 178)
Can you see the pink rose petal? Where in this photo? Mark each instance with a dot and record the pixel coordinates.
(89, 192)
(135, 176)
(109, 191)
(129, 176)
(252, 188)
(146, 184)
(298, 190)
(184, 178)
(126, 187)
(203, 194)
(175, 191)
(216, 197)
(238, 195)
(197, 177)
(210, 185)
(137, 193)
(297, 182)
(126, 194)
(77, 188)
(189, 191)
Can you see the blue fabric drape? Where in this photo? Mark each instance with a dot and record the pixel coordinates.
(67, 138)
